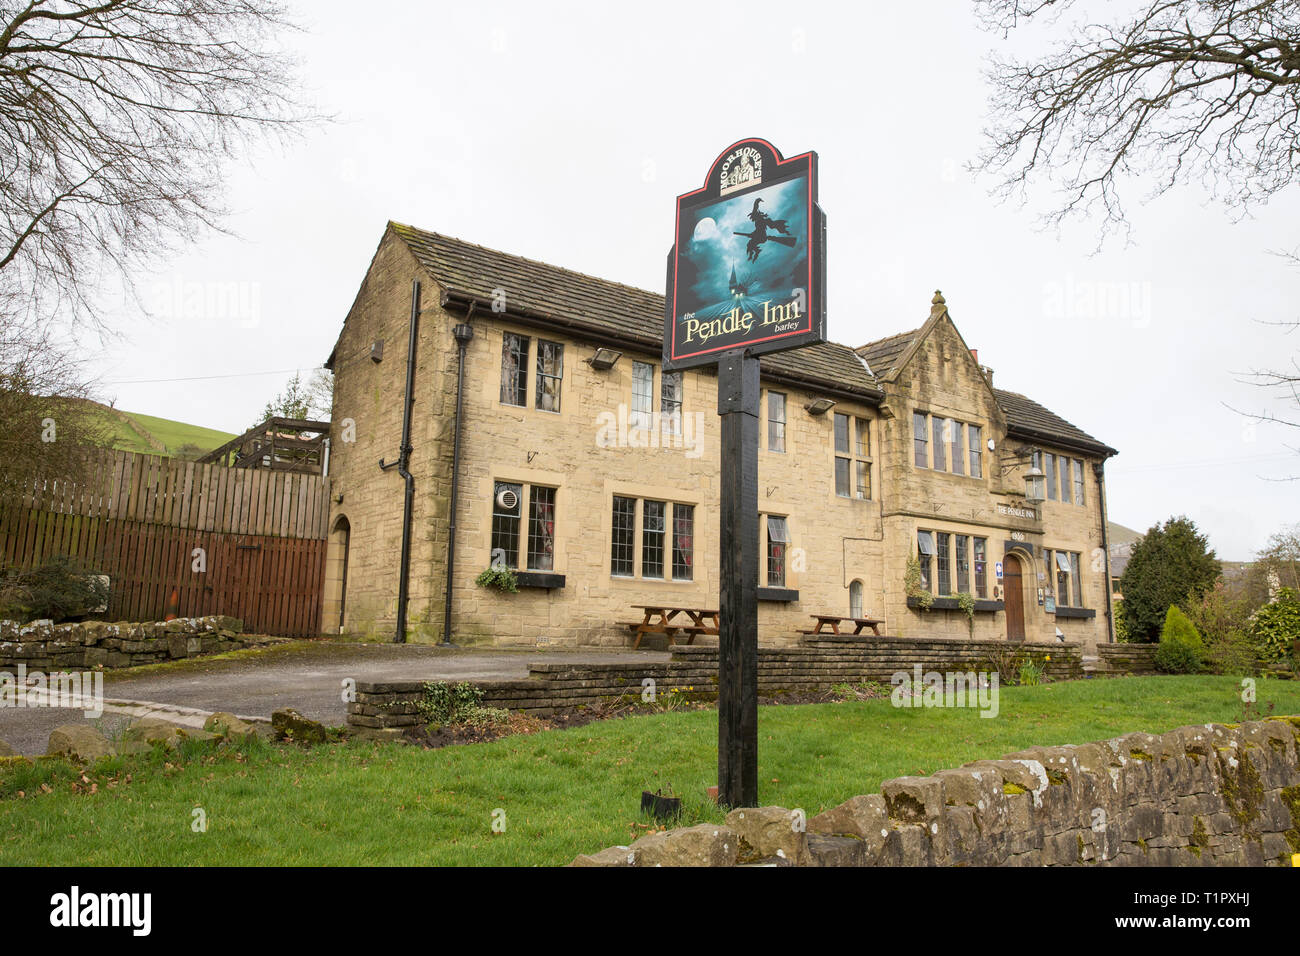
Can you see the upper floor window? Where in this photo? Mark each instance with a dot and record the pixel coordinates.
(776, 421)
(956, 433)
(643, 396)
(920, 445)
(550, 371)
(852, 457)
(945, 444)
(1078, 482)
(670, 402)
(514, 369)
(1051, 477)
(940, 446)
(975, 442)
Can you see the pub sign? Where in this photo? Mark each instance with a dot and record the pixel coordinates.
(748, 267)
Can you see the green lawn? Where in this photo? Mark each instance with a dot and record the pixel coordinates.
(563, 792)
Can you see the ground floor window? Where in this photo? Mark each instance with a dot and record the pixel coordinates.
(855, 599)
(925, 555)
(507, 512)
(1063, 572)
(667, 539)
(778, 542)
(959, 563)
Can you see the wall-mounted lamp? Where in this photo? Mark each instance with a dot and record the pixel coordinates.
(1035, 485)
(819, 406)
(604, 359)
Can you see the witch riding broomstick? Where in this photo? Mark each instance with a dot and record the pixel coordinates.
(762, 223)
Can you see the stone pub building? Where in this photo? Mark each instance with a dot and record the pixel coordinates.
(894, 477)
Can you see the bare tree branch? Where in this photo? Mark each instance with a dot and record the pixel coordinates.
(116, 119)
(1184, 91)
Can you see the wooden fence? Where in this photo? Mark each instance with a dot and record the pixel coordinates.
(182, 537)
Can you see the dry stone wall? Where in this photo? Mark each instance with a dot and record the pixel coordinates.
(1205, 795)
(42, 645)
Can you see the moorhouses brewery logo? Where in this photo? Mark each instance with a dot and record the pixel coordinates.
(742, 168)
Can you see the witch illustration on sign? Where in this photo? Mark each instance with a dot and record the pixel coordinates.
(762, 223)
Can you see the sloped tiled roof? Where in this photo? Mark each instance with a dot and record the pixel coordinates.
(541, 290)
(883, 354)
(1031, 420)
(580, 302)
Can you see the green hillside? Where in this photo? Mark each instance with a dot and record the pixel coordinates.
(150, 435)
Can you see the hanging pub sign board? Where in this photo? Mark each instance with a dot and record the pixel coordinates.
(748, 266)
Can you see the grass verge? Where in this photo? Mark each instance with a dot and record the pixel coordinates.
(562, 792)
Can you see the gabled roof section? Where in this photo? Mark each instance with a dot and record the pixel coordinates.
(583, 303)
(882, 355)
(1027, 419)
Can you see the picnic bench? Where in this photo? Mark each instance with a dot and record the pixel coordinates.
(833, 621)
(658, 619)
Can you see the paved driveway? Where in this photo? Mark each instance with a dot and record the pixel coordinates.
(307, 676)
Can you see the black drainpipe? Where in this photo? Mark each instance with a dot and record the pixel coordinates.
(403, 467)
(463, 333)
(1098, 470)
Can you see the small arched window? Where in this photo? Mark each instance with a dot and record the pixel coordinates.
(855, 599)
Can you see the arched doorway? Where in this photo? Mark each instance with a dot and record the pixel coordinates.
(336, 576)
(1013, 597)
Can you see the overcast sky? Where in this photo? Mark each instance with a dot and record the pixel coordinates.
(503, 123)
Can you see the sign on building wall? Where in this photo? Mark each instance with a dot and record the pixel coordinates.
(748, 267)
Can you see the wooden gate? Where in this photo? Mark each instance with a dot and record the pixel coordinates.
(192, 538)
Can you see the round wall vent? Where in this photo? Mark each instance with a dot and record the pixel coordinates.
(507, 499)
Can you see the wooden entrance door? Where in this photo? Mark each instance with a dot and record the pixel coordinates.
(1013, 597)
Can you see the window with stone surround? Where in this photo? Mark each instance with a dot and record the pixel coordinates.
(1064, 581)
(667, 540)
(507, 513)
(946, 444)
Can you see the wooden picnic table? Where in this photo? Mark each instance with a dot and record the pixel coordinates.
(658, 619)
(835, 620)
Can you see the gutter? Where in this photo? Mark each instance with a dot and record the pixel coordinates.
(1099, 472)
(463, 333)
(403, 468)
(600, 335)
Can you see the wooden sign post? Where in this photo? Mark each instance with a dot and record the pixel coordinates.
(746, 276)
